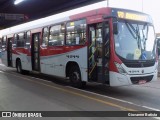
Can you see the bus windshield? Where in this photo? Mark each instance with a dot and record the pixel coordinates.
(135, 41)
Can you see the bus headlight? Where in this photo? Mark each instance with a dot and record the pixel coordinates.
(120, 68)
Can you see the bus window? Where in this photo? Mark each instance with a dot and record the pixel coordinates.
(45, 37)
(28, 37)
(4, 40)
(56, 37)
(15, 40)
(76, 32)
(99, 42)
(19, 40)
(158, 46)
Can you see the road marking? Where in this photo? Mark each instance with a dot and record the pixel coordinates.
(124, 101)
(154, 109)
(91, 98)
(82, 90)
(150, 108)
(78, 94)
(41, 79)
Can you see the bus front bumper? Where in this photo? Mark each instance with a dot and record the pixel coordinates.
(117, 79)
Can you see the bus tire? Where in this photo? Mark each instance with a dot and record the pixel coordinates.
(75, 78)
(19, 67)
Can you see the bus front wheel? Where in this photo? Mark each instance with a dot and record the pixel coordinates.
(75, 78)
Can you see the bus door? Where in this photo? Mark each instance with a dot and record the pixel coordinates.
(9, 52)
(35, 50)
(98, 52)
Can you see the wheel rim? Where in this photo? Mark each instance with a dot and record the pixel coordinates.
(75, 77)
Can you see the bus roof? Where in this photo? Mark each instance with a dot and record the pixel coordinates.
(60, 17)
(76, 13)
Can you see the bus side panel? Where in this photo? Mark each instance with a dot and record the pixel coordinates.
(79, 56)
(84, 64)
(20, 53)
(56, 64)
(26, 62)
(14, 56)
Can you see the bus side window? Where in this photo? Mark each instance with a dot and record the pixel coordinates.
(27, 39)
(99, 41)
(76, 32)
(16, 37)
(4, 40)
(56, 36)
(20, 40)
(45, 37)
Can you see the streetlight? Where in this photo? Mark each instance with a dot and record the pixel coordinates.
(18, 1)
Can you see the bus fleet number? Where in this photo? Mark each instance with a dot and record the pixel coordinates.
(72, 56)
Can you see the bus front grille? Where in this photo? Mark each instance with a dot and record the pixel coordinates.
(137, 65)
(136, 80)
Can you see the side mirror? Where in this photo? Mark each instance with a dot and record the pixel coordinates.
(115, 27)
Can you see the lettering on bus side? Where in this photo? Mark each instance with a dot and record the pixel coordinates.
(72, 56)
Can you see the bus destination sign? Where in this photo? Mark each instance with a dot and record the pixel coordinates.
(132, 16)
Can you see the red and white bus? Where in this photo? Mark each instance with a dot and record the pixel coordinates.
(105, 45)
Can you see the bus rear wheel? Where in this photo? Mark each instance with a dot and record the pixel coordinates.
(19, 67)
(75, 78)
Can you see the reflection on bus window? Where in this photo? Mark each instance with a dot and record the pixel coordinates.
(141, 39)
(19, 40)
(76, 32)
(45, 37)
(28, 37)
(99, 40)
(56, 36)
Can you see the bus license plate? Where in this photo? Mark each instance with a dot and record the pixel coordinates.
(142, 81)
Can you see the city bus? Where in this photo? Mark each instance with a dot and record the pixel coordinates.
(106, 45)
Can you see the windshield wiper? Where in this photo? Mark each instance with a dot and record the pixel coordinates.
(134, 32)
(131, 31)
(145, 36)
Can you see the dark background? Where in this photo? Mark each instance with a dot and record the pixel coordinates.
(34, 9)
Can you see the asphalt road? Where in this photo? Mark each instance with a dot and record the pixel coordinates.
(36, 92)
